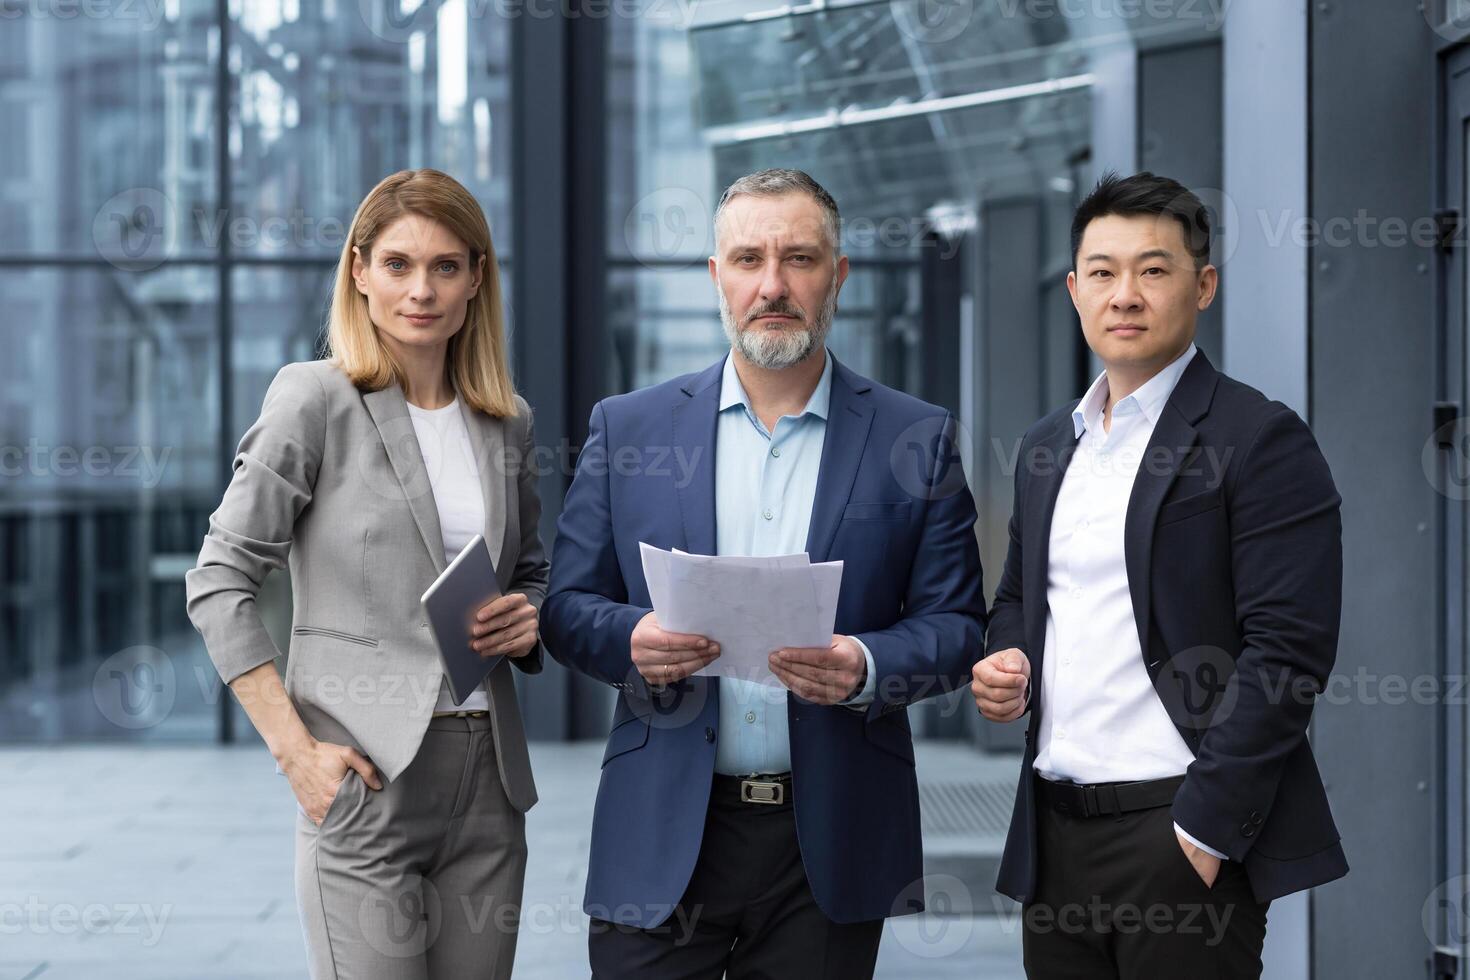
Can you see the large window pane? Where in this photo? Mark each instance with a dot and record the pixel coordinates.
(114, 239)
(913, 114)
(109, 473)
(279, 316)
(108, 129)
(331, 98)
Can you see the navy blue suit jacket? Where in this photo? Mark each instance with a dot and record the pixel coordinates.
(892, 504)
(1233, 543)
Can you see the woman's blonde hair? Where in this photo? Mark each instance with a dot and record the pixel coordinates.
(476, 360)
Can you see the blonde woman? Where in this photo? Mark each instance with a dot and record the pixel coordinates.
(366, 473)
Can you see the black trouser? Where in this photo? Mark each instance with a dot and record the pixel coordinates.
(747, 913)
(1116, 897)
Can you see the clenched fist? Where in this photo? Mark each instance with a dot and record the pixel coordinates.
(1001, 684)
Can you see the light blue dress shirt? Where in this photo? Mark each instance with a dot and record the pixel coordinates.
(765, 485)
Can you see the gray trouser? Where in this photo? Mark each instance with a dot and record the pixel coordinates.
(419, 880)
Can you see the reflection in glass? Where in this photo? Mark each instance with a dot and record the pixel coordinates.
(332, 98)
(115, 240)
(109, 473)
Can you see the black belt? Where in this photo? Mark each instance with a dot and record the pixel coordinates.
(759, 790)
(1110, 799)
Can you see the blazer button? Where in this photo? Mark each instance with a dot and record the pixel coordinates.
(1246, 830)
(709, 734)
(1256, 818)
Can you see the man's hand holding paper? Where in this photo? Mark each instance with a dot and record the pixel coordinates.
(823, 675)
(769, 618)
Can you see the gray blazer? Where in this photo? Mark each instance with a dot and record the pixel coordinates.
(331, 480)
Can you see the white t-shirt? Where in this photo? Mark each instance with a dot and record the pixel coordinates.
(444, 440)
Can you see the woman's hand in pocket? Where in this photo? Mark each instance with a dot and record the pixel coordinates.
(506, 626)
(317, 770)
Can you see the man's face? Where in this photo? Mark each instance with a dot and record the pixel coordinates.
(1137, 290)
(778, 282)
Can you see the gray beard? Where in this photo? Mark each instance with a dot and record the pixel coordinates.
(781, 348)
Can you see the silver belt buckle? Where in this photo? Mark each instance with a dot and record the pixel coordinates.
(761, 791)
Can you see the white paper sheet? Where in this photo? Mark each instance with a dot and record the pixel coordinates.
(749, 606)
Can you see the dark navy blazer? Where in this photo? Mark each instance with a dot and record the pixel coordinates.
(1233, 543)
(892, 505)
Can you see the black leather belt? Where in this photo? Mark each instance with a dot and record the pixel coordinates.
(761, 790)
(1106, 799)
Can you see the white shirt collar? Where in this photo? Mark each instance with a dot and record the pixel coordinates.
(1149, 399)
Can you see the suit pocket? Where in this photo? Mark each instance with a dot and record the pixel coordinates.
(897, 510)
(339, 802)
(1185, 507)
(891, 734)
(631, 734)
(1174, 850)
(333, 634)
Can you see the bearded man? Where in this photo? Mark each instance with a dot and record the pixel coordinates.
(746, 829)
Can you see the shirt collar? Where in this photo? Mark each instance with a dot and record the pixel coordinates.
(732, 392)
(1149, 399)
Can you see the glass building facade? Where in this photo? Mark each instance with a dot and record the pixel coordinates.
(176, 182)
(177, 177)
(176, 191)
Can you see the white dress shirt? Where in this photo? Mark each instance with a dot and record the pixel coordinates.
(1101, 720)
(444, 442)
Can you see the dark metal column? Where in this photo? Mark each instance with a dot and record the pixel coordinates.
(559, 280)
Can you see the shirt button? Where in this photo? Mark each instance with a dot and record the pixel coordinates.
(767, 515)
(775, 450)
(1083, 525)
(750, 716)
(1061, 734)
(709, 734)
(1066, 661)
(1076, 593)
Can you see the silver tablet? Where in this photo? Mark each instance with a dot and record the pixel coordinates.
(452, 602)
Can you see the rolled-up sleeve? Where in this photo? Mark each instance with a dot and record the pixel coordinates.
(250, 533)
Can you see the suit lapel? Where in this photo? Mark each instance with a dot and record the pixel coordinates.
(497, 478)
(1170, 447)
(1050, 458)
(849, 417)
(694, 425)
(395, 428)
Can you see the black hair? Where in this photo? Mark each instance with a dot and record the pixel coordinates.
(1146, 194)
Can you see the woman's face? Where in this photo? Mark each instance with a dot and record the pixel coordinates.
(418, 281)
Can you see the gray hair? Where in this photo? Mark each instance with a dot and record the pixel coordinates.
(777, 182)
